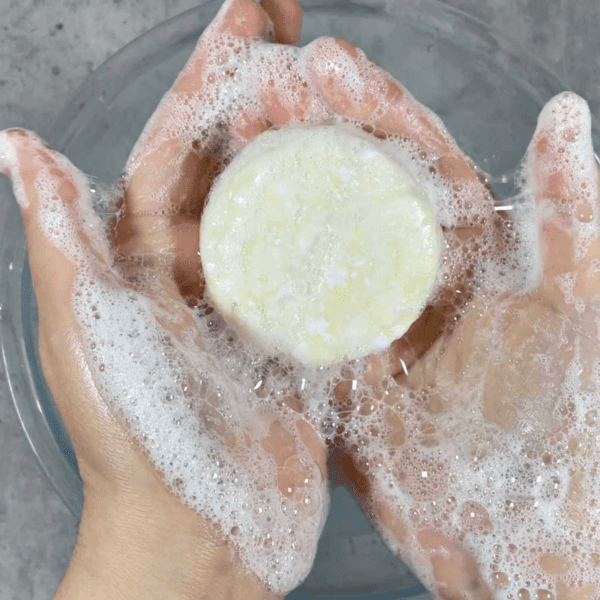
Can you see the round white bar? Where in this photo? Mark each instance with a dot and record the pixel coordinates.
(317, 242)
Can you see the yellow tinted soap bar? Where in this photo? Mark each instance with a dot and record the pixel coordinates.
(317, 242)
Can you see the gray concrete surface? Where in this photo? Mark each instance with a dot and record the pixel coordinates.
(47, 47)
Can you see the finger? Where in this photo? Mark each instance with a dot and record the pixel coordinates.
(167, 177)
(244, 19)
(286, 16)
(158, 145)
(561, 175)
(24, 159)
(60, 225)
(358, 89)
(158, 225)
(587, 279)
(240, 18)
(560, 163)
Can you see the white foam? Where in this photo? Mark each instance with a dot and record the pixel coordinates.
(8, 163)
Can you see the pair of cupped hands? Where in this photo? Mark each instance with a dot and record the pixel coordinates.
(137, 538)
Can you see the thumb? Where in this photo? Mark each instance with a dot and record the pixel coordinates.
(562, 177)
(64, 243)
(59, 221)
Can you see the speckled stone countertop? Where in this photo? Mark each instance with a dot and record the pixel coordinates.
(47, 47)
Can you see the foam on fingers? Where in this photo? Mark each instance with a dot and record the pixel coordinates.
(560, 169)
(57, 193)
(9, 164)
(241, 18)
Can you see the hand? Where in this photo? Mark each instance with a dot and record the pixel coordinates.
(473, 441)
(118, 333)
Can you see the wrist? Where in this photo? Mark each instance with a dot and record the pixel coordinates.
(130, 549)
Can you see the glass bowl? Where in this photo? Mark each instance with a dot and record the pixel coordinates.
(487, 90)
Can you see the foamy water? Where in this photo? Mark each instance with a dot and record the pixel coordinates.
(489, 438)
